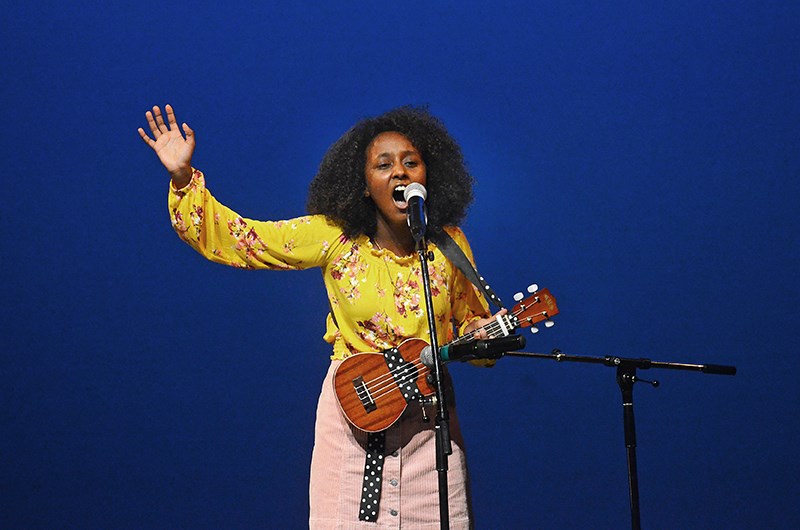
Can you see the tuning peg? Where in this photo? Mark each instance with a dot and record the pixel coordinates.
(532, 288)
(534, 330)
(518, 297)
(549, 323)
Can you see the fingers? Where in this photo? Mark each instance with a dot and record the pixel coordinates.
(189, 135)
(155, 121)
(149, 141)
(171, 117)
(152, 124)
(160, 120)
(481, 333)
(167, 140)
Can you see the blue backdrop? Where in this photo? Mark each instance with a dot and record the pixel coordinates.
(640, 159)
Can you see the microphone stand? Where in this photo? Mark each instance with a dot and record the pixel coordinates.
(626, 377)
(442, 429)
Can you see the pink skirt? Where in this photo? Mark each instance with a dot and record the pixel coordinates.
(410, 491)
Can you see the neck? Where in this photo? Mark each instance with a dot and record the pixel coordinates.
(398, 239)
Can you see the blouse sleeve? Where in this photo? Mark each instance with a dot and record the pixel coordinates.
(223, 236)
(468, 303)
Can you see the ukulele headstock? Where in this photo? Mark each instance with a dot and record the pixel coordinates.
(539, 306)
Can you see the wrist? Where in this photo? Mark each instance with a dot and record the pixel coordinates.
(181, 178)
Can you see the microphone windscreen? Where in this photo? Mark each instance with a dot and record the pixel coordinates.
(415, 189)
(426, 356)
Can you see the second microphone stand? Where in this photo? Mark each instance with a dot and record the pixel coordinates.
(626, 377)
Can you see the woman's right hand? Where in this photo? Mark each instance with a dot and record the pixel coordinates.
(173, 150)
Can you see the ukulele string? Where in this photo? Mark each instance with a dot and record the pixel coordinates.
(387, 383)
(395, 375)
(413, 369)
(391, 385)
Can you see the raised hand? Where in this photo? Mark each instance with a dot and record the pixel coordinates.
(173, 150)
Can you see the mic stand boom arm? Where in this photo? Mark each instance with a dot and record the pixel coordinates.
(626, 377)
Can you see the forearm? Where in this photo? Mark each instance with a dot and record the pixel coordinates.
(223, 236)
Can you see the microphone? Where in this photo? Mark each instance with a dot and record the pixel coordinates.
(476, 349)
(415, 195)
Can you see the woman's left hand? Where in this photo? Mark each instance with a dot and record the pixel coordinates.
(477, 327)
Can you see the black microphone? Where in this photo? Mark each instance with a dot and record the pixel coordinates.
(415, 195)
(476, 349)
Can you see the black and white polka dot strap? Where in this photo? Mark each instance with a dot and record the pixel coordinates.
(373, 473)
(404, 373)
(456, 255)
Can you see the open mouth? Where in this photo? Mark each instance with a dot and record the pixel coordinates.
(398, 196)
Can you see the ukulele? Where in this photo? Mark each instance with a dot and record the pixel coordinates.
(374, 389)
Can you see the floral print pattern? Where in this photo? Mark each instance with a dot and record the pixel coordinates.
(437, 275)
(247, 239)
(407, 294)
(348, 270)
(376, 297)
(380, 332)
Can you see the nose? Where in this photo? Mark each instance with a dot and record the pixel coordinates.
(399, 172)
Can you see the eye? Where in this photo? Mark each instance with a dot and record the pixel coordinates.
(412, 163)
(384, 165)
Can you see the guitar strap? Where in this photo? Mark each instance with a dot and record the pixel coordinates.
(373, 473)
(453, 252)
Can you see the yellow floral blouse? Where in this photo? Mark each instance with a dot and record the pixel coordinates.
(376, 297)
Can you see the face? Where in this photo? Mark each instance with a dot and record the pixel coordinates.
(392, 163)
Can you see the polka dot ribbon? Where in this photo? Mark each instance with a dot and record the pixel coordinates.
(405, 374)
(373, 471)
